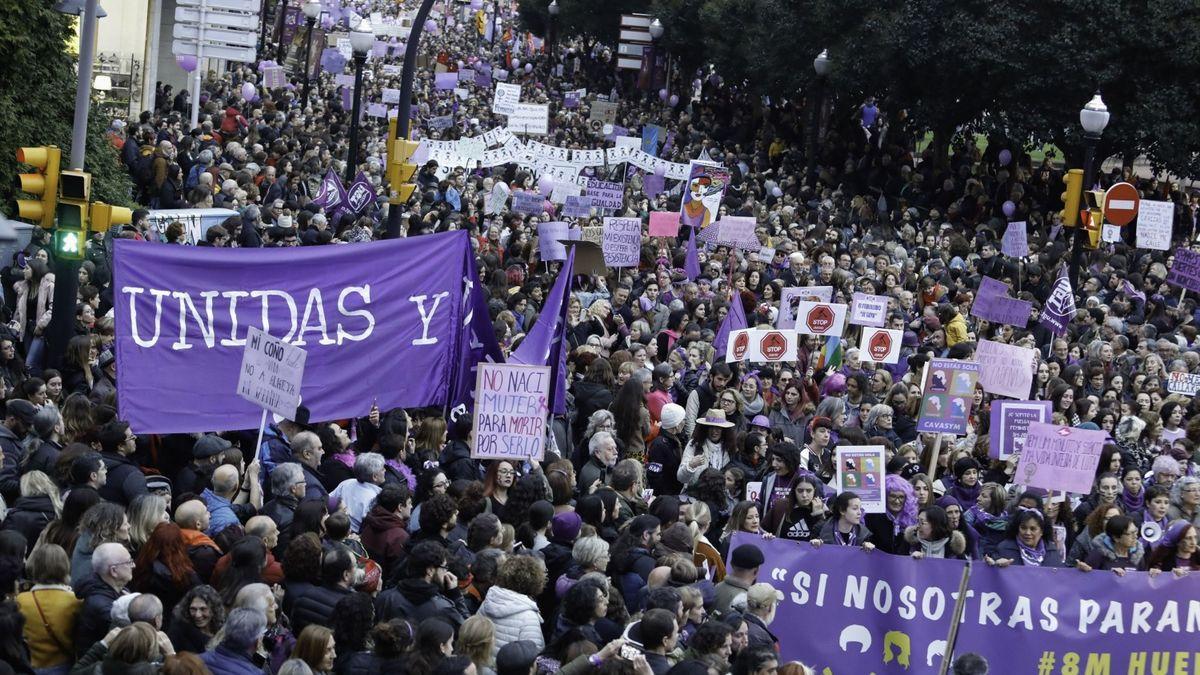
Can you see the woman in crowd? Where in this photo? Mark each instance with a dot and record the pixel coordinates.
(197, 617)
(933, 537)
(163, 567)
(845, 525)
(1177, 551)
(1026, 543)
(802, 514)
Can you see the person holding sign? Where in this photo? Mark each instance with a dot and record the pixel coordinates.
(845, 525)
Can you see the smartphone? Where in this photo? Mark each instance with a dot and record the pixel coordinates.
(629, 652)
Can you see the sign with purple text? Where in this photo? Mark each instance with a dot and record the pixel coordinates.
(1015, 243)
(947, 396)
(529, 202)
(1006, 370)
(550, 238)
(622, 242)
(605, 194)
(1185, 269)
(868, 310)
(1010, 423)
(861, 612)
(182, 315)
(510, 412)
(860, 469)
(577, 206)
(1060, 458)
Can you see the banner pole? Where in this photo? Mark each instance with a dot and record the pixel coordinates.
(933, 458)
(959, 606)
(262, 426)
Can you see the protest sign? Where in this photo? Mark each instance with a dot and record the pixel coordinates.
(603, 112)
(1006, 370)
(820, 318)
(753, 490)
(706, 184)
(510, 412)
(664, 224)
(793, 296)
(562, 191)
(992, 303)
(529, 202)
(550, 237)
(593, 234)
(389, 96)
(947, 396)
(1110, 234)
(441, 123)
(466, 75)
(622, 242)
(761, 346)
(605, 194)
(880, 345)
(1010, 423)
(577, 206)
(271, 373)
(1183, 383)
(868, 310)
(735, 231)
(1060, 458)
(182, 314)
(850, 605)
(506, 98)
(531, 119)
(860, 469)
(1015, 243)
(1185, 269)
(445, 81)
(1154, 224)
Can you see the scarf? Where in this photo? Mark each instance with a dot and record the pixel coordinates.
(346, 458)
(1032, 557)
(964, 494)
(987, 520)
(754, 407)
(1133, 502)
(934, 549)
(849, 539)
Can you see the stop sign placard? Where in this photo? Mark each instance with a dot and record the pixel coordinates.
(879, 346)
(773, 346)
(819, 319)
(1121, 203)
(740, 344)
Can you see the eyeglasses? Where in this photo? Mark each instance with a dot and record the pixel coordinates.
(505, 472)
(122, 564)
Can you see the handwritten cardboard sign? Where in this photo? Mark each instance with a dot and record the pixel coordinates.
(510, 411)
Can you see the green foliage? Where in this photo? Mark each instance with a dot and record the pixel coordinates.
(37, 101)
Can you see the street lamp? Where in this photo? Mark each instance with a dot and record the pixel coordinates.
(1093, 117)
(656, 29)
(404, 114)
(553, 37)
(821, 66)
(312, 10)
(362, 38)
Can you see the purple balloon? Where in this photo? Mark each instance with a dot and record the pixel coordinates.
(545, 186)
(430, 26)
(1008, 207)
(529, 67)
(674, 100)
(186, 61)
(516, 63)
(1005, 157)
(663, 94)
(660, 171)
(247, 91)
(696, 83)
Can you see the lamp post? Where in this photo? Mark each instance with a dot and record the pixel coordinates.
(656, 31)
(821, 66)
(1093, 117)
(404, 115)
(361, 40)
(553, 37)
(281, 49)
(312, 9)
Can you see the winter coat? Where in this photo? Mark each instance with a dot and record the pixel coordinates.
(95, 615)
(125, 480)
(281, 509)
(589, 397)
(187, 638)
(663, 465)
(515, 616)
(792, 429)
(44, 459)
(417, 600)
(884, 534)
(955, 549)
(225, 661)
(43, 308)
(316, 605)
(384, 536)
(861, 533)
(758, 636)
(1009, 549)
(10, 469)
(29, 516)
(457, 463)
(780, 522)
(1104, 557)
(160, 583)
(59, 607)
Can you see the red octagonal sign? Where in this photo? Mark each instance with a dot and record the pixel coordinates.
(773, 346)
(880, 346)
(740, 344)
(819, 319)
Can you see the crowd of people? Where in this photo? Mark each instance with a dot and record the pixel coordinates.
(379, 545)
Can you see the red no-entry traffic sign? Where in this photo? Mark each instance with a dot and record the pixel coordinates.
(1121, 204)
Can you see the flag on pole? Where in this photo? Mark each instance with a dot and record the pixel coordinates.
(734, 320)
(332, 194)
(546, 342)
(691, 266)
(478, 343)
(1060, 307)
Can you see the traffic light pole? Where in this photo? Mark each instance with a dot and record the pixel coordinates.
(404, 115)
(1090, 142)
(83, 88)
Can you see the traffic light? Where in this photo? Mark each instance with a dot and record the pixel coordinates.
(75, 191)
(43, 183)
(1092, 214)
(400, 171)
(105, 216)
(1074, 182)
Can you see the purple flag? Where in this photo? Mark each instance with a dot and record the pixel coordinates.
(734, 320)
(365, 322)
(360, 195)
(481, 345)
(545, 344)
(652, 185)
(332, 194)
(691, 265)
(1060, 308)
(332, 60)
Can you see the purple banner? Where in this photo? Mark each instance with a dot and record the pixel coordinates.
(1010, 422)
(860, 612)
(1185, 270)
(1061, 621)
(949, 393)
(993, 304)
(577, 206)
(182, 315)
(445, 81)
(1060, 307)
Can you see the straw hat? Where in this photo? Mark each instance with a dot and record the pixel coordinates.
(715, 418)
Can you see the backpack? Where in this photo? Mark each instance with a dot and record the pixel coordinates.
(143, 168)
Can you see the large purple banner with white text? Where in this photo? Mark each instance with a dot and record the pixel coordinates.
(381, 322)
(858, 612)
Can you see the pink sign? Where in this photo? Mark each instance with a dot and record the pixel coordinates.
(664, 223)
(1060, 458)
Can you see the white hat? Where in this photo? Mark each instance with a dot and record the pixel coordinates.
(672, 415)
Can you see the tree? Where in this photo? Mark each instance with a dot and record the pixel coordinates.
(40, 109)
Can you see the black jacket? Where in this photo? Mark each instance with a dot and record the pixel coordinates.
(10, 470)
(316, 605)
(314, 484)
(417, 600)
(29, 516)
(95, 615)
(884, 535)
(666, 452)
(589, 397)
(125, 480)
(457, 463)
(281, 510)
(44, 459)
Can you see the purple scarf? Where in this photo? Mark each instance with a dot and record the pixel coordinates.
(1133, 502)
(964, 494)
(403, 469)
(1032, 557)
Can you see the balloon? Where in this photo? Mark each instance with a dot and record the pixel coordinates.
(516, 63)
(660, 170)
(186, 61)
(529, 67)
(696, 83)
(674, 100)
(714, 79)
(663, 94)
(545, 186)
(1005, 157)
(247, 91)
(607, 129)
(1008, 208)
